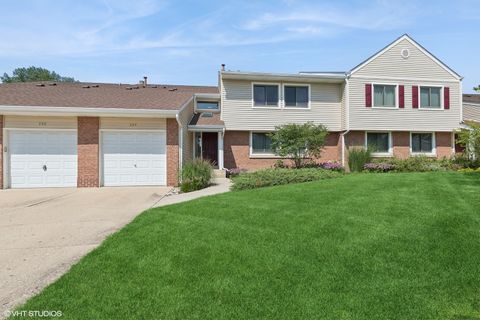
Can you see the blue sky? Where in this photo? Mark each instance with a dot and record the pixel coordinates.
(184, 42)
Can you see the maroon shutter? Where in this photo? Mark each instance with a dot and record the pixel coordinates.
(368, 95)
(401, 97)
(446, 98)
(415, 97)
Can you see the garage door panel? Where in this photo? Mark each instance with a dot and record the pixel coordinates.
(31, 151)
(133, 158)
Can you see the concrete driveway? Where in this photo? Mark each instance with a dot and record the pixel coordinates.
(44, 231)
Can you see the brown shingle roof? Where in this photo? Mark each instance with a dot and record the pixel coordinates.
(99, 95)
(200, 119)
(473, 98)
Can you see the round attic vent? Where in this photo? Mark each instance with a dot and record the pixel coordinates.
(405, 53)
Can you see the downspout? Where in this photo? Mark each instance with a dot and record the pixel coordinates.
(347, 117)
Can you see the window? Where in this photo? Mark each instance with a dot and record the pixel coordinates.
(296, 96)
(430, 97)
(384, 96)
(422, 143)
(206, 105)
(378, 142)
(261, 143)
(265, 95)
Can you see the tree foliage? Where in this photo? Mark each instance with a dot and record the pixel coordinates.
(299, 142)
(470, 140)
(477, 88)
(34, 74)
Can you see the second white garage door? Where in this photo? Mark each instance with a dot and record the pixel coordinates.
(134, 158)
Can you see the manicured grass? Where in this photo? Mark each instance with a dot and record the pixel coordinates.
(366, 246)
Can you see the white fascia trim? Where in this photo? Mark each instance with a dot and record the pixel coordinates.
(403, 79)
(83, 111)
(209, 96)
(406, 37)
(259, 76)
(206, 128)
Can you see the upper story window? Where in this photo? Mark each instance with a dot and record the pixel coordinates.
(261, 143)
(430, 97)
(296, 96)
(265, 95)
(207, 105)
(384, 96)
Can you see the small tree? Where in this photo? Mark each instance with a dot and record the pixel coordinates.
(299, 142)
(477, 88)
(470, 140)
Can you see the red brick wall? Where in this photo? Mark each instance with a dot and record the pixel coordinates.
(237, 151)
(172, 152)
(88, 152)
(401, 144)
(1, 152)
(444, 144)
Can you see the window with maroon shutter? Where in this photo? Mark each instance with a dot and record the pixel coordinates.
(446, 98)
(401, 97)
(415, 97)
(368, 95)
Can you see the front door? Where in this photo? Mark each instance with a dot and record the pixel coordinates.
(210, 147)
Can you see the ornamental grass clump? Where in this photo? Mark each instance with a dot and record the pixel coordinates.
(358, 157)
(196, 175)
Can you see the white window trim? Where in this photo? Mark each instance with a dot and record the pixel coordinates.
(279, 103)
(390, 144)
(428, 154)
(309, 105)
(207, 110)
(259, 155)
(396, 95)
(442, 105)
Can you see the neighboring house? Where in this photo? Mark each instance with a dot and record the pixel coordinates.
(471, 107)
(402, 101)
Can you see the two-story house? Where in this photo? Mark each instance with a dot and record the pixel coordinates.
(402, 101)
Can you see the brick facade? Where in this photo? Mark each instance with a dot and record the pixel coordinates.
(1, 152)
(401, 144)
(88, 152)
(444, 144)
(237, 151)
(172, 152)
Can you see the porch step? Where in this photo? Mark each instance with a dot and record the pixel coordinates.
(217, 173)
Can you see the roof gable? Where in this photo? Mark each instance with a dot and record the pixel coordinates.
(417, 62)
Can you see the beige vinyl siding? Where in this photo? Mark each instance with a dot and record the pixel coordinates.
(471, 112)
(392, 64)
(133, 123)
(34, 122)
(407, 119)
(238, 114)
(344, 107)
(184, 117)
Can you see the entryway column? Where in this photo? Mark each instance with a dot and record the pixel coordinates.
(220, 150)
(88, 152)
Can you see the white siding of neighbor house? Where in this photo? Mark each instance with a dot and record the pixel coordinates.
(407, 119)
(133, 123)
(417, 65)
(471, 112)
(184, 117)
(34, 122)
(417, 70)
(238, 114)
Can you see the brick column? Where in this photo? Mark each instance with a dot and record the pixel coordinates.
(444, 146)
(1, 152)
(172, 152)
(88, 151)
(401, 144)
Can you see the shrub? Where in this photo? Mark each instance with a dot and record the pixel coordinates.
(332, 165)
(357, 158)
(378, 167)
(464, 161)
(274, 177)
(196, 175)
(469, 170)
(470, 140)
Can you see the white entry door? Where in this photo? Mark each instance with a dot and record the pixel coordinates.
(134, 158)
(42, 159)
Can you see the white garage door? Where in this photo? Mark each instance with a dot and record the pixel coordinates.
(134, 158)
(41, 159)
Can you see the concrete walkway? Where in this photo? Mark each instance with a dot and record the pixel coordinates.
(220, 185)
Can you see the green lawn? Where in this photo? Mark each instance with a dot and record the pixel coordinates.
(365, 246)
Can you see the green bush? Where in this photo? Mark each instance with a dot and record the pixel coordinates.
(196, 175)
(357, 158)
(419, 164)
(275, 177)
